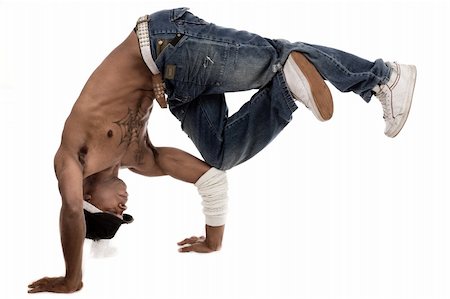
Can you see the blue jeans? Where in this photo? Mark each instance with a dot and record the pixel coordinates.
(204, 61)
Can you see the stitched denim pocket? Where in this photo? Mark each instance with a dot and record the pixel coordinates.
(200, 62)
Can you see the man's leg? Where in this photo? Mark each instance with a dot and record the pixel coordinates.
(216, 60)
(392, 83)
(345, 71)
(225, 142)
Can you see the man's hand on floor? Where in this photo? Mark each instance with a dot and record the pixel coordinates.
(54, 285)
(195, 244)
(212, 242)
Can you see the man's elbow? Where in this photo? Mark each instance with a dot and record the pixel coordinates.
(72, 208)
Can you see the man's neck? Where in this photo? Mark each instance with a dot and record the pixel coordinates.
(102, 176)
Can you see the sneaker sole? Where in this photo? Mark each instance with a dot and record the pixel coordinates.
(404, 117)
(322, 104)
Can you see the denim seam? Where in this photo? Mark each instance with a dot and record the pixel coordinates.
(236, 121)
(347, 71)
(210, 124)
(219, 40)
(194, 83)
(286, 92)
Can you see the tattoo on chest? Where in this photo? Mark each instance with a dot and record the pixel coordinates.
(131, 126)
(132, 129)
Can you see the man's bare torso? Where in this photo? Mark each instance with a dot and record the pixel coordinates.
(107, 127)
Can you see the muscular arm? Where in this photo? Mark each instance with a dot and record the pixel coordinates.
(183, 166)
(72, 226)
(180, 164)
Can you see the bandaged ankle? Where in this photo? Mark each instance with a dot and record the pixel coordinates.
(213, 187)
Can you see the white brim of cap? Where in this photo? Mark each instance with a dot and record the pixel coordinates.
(90, 207)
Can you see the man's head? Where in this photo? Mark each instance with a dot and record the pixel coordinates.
(105, 202)
(110, 196)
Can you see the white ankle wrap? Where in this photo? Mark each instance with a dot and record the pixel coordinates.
(212, 187)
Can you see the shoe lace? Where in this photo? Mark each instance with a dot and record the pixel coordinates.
(382, 96)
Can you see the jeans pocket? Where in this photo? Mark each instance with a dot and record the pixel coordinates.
(200, 62)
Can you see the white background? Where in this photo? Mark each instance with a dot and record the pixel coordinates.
(328, 210)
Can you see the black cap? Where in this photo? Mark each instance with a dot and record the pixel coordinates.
(103, 225)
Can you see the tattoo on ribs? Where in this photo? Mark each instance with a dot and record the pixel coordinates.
(131, 126)
(139, 156)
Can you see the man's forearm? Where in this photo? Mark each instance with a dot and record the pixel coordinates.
(214, 236)
(212, 187)
(180, 164)
(73, 231)
(71, 223)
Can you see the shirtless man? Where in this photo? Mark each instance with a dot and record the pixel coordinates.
(200, 62)
(107, 130)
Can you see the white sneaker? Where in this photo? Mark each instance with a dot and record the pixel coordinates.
(307, 86)
(396, 96)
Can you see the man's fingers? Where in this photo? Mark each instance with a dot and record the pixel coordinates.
(39, 286)
(54, 285)
(188, 249)
(38, 282)
(46, 288)
(36, 290)
(191, 240)
(197, 247)
(187, 241)
(184, 242)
